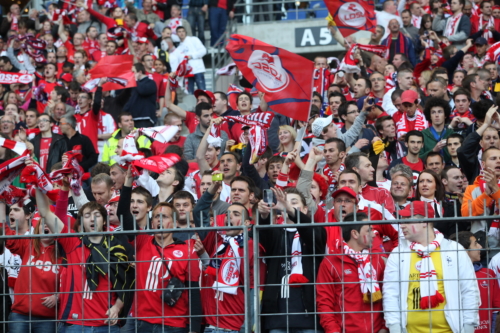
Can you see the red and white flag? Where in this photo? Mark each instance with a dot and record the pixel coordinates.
(184, 68)
(13, 78)
(118, 70)
(352, 16)
(283, 76)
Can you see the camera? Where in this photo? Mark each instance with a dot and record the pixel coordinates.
(217, 177)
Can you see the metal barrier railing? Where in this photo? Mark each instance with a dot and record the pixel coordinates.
(254, 318)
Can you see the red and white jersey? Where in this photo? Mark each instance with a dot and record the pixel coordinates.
(88, 124)
(106, 125)
(152, 277)
(225, 194)
(488, 291)
(160, 85)
(380, 196)
(81, 302)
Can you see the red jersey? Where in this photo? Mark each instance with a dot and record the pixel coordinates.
(224, 311)
(380, 196)
(489, 292)
(90, 46)
(81, 302)
(338, 290)
(47, 88)
(88, 124)
(44, 151)
(152, 277)
(71, 51)
(191, 122)
(158, 148)
(38, 278)
(160, 85)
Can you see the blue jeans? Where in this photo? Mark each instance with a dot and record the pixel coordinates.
(294, 330)
(25, 324)
(145, 327)
(130, 326)
(200, 82)
(196, 19)
(91, 329)
(218, 20)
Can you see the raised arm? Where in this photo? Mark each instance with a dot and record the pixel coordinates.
(53, 222)
(170, 105)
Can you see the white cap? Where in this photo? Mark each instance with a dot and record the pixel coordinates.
(320, 123)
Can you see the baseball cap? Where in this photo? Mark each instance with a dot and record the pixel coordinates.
(480, 41)
(320, 123)
(346, 190)
(207, 93)
(66, 77)
(409, 96)
(418, 209)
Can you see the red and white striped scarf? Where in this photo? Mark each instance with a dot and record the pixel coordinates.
(10, 169)
(430, 296)
(452, 25)
(174, 23)
(403, 126)
(348, 64)
(35, 178)
(487, 33)
(367, 274)
(71, 167)
(332, 179)
(227, 270)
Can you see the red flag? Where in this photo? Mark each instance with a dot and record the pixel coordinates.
(283, 76)
(119, 68)
(353, 16)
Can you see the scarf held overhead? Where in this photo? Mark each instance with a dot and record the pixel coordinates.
(348, 64)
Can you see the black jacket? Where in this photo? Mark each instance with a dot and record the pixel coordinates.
(142, 102)
(313, 241)
(57, 148)
(88, 151)
(468, 156)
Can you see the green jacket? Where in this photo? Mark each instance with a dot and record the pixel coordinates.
(430, 142)
(110, 146)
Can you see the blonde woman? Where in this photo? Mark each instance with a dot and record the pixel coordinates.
(286, 135)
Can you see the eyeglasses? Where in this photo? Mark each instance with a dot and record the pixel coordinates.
(340, 201)
(357, 111)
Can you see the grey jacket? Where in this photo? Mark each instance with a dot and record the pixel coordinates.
(193, 141)
(463, 29)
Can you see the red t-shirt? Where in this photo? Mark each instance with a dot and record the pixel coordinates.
(160, 86)
(88, 124)
(152, 276)
(44, 151)
(158, 148)
(489, 291)
(37, 278)
(71, 51)
(81, 303)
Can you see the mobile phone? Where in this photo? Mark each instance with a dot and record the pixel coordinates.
(341, 73)
(217, 177)
(269, 197)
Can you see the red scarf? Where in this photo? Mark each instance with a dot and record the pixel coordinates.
(73, 168)
(452, 25)
(332, 179)
(400, 47)
(467, 114)
(35, 178)
(419, 123)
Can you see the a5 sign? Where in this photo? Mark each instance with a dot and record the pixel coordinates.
(314, 36)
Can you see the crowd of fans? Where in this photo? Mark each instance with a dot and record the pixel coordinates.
(413, 136)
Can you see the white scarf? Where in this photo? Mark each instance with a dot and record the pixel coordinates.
(296, 275)
(434, 202)
(416, 21)
(228, 275)
(491, 23)
(430, 296)
(452, 25)
(366, 273)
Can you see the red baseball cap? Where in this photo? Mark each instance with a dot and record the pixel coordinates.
(418, 209)
(66, 77)
(409, 96)
(207, 93)
(346, 190)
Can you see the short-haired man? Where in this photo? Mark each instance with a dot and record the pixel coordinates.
(401, 188)
(461, 116)
(486, 280)
(414, 141)
(453, 143)
(48, 146)
(403, 44)
(456, 27)
(386, 129)
(218, 206)
(360, 163)
(339, 288)
(411, 118)
(425, 274)
(334, 153)
(438, 87)
(88, 117)
(405, 81)
(230, 166)
(183, 202)
(242, 191)
(79, 141)
(475, 85)
(169, 181)
(482, 197)
(142, 102)
(348, 112)
(102, 188)
(203, 115)
(117, 174)
(125, 126)
(434, 162)
(437, 112)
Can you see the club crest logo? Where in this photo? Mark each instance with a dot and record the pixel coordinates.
(352, 14)
(268, 70)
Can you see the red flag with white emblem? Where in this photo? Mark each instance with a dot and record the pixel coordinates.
(353, 16)
(283, 76)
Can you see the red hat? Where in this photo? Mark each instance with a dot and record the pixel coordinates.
(66, 77)
(409, 96)
(418, 209)
(114, 198)
(207, 93)
(346, 190)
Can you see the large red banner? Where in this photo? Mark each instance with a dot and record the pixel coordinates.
(118, 69)
(11, 78)
(352, 16)
(285, 77)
